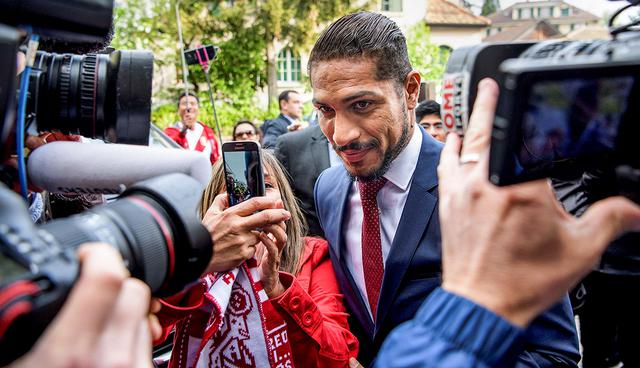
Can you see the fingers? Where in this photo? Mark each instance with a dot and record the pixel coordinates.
(353, 363)
(273, 255)
(220, 203)
(449, 158)
(279, 234)
(88, 308)
(265, 218)
(256, 204)
(120, 341)
(607, 219)
(478, 135)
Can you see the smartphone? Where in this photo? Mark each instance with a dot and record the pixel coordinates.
(208, 53)
(243, 172)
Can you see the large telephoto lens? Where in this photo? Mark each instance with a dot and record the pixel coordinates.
(155, 228)
(105, 96)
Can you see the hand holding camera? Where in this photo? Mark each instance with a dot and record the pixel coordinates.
(541, 250)
(106, 320)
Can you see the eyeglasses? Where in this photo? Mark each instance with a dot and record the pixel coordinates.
(248, 133)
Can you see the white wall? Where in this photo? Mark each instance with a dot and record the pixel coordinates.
(413, 11)
(456, 37)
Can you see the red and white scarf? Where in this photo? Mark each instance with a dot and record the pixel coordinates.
(237, 333)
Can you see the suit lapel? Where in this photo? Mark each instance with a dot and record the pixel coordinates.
(319, 150)
(413, 223)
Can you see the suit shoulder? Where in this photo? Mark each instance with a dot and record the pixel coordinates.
(329, 176)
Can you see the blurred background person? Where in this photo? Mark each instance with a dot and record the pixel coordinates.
(296, 274)
(304, 155)
(290, 104)
(244, 130)
(191, 133)
(428, 115)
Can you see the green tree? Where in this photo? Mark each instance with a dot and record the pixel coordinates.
(247, 32)
(427, 58)
(490, 7)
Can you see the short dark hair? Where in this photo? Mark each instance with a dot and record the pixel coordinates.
(425, 108)
(185, 94)
(369, 35)
(284, 96)
(240, 122)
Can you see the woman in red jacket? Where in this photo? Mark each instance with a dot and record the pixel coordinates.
(298, 279)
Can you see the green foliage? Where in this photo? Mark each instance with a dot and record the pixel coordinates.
(427, 58)
(490, 7)
(242, 29)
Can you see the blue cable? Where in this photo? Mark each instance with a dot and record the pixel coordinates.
(20, 126)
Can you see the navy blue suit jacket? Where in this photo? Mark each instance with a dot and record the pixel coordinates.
(272, 129)
(413, 268)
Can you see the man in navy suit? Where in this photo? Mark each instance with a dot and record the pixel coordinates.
(379, 211)
(290, 104)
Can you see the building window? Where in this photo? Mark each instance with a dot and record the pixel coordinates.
(564, 12)
(519, 14)
(391, 5)
(289, 66)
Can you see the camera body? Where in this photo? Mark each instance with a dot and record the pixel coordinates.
(564, 106)
(153, 225)
(108, 96)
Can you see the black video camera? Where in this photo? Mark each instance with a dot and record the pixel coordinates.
(154, 225)
(564, 107)
(93, 95)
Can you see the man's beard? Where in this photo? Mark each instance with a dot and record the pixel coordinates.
(389, 155)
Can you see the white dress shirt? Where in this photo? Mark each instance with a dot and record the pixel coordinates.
(193, 135)
(391, 200)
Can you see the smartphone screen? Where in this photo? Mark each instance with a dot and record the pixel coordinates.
(243, 171)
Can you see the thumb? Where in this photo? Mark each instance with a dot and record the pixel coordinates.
(353, 363)
(608, 219)
(220, 203)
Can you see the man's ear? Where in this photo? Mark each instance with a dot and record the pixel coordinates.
(412, 88)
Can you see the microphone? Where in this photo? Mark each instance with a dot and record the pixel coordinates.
(72, 167)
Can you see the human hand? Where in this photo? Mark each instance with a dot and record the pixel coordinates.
(232, 229)
(294, 126)
(105, 321)
(513, 249)
(273, 239)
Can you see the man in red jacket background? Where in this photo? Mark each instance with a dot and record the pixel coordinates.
(189, 132)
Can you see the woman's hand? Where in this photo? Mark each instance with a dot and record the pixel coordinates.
(232, 229)
(273, 239)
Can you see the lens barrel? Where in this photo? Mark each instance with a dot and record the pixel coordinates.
(155, 228)
(94, 95)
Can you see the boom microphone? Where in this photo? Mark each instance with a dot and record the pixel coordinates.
(72, 167)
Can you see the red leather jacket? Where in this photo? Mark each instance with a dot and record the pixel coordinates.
(311, 305)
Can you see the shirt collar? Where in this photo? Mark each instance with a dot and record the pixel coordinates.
(291, 120)
(401, 170)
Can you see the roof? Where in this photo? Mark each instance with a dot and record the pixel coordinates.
(529, 30)
(504, 16)
(442, 12)
(590, 33)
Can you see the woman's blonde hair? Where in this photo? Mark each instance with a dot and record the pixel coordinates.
(296, 226)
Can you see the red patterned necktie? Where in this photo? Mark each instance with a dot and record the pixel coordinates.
(372, 263)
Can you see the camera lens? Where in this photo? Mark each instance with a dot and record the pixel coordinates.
(155, 228)
(94, 95)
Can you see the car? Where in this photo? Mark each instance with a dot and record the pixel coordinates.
(157, 138)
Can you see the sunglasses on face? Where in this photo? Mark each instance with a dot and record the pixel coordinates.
(248, 133)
